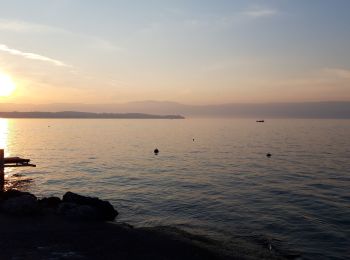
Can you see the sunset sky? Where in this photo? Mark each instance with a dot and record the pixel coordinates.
(194, 52)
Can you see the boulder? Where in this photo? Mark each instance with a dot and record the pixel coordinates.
(65, 207)
(72, 206)
(14, 193)
(50, 202)
(77, 212)
(23, 205)
(104, 210)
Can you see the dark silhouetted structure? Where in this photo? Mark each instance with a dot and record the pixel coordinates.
(11, 162)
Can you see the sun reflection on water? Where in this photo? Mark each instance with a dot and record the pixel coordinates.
(4, 134)
(13, 179)
(4, 131)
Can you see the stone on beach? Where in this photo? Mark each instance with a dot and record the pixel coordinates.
(73, 206)
(21, 205)
(50, 202)
(77, 212)
(104, 209)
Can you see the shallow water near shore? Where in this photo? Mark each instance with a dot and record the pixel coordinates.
(210, 177)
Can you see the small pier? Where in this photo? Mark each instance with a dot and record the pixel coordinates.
(11, 162)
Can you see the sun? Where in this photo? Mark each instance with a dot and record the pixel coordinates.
(7, 86)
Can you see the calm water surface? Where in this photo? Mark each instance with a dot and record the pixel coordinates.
(221, 184)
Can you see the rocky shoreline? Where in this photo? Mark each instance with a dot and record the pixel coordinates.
(72, 206)
(80, 227)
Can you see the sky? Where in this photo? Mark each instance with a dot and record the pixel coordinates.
(189, 51)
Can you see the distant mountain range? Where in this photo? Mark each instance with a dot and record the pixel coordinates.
(74, 114)
(262, 110)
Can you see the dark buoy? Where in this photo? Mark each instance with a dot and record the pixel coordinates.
(268, 155)
(156, 151)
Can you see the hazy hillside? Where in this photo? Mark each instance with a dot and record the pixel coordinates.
(266, 110)
(74, 114)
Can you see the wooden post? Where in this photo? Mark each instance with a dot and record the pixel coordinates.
(2, 172)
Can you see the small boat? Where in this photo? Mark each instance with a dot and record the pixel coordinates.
(260, 121)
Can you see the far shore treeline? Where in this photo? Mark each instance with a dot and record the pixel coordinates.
(74, 114)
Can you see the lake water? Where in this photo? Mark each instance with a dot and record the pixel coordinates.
(221, 184)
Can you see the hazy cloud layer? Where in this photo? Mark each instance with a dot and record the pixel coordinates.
(31, 56)
(260, 12)
(188, 51)
(27, 27)
(338, 72)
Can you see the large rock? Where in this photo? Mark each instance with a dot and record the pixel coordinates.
(72, 206)
(103, 209)
(23, 205)
(50, 202)
(14, 193)
(77, 212)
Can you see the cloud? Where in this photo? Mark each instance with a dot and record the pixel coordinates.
(260, 12)
(317, 79)
(28, 27)
(32, 56)
(101, 44)
(227, 21)
(18, 26)
(336, 72)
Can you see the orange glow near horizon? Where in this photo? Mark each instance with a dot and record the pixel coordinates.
(7, 86)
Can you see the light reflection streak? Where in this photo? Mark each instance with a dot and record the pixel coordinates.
(4, 132)
(4, 135)
(12, 180)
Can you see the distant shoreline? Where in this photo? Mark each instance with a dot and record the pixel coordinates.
(85, 115)
(313, 110)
